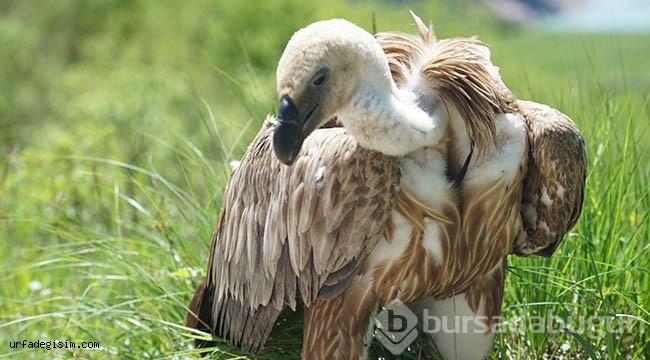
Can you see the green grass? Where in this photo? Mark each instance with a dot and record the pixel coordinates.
(118, 121)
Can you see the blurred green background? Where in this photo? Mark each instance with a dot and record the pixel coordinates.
(118, 120)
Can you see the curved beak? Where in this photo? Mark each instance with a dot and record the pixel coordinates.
(291, 129)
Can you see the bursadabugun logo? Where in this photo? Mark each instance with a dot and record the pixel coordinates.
(396, 325)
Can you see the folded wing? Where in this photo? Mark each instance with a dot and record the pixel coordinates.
(555, 181)
(288, 232)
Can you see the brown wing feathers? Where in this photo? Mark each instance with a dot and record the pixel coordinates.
(554, 184)
(289, 232)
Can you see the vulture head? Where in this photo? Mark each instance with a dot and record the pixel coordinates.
(324, 68)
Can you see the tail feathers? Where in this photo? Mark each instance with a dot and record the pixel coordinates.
(240, 325)
(244, 327)
(199, 314)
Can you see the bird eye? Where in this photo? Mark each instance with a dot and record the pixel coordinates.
(321, 78)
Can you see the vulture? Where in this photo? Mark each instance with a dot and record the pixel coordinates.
(399, 167)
